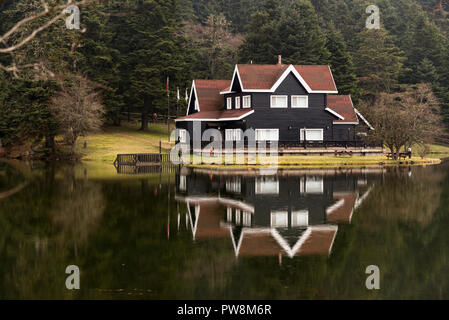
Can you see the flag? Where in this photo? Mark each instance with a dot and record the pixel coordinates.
(167, 85)
(177, 93)
(187, 96)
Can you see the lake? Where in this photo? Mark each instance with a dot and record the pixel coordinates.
(209, 234)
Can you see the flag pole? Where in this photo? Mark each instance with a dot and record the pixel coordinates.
(168, 111)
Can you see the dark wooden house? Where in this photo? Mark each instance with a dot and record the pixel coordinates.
(285, 103)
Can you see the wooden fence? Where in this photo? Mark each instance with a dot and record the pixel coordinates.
(137, 159)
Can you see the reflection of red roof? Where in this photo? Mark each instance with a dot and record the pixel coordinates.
(342, 104)
(209, 94)
(218, 115)
(342, 212)
(209, 220)
(268, 242)
(263, 77)
(319, 242)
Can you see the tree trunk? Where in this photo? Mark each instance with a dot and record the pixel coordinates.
(50, 142)
(144, 126)
(117, 121)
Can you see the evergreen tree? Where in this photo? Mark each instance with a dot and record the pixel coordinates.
(426, 72)
(341, 64)
(300, 35)
(379, 61)
(261, 43)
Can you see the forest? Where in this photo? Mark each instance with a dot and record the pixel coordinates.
(126, 50)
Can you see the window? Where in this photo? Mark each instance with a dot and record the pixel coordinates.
(279, 102)
(197, 105)
(246, 219)
(237, 216)
(229, 214)
(182, 135)
(300, 101)
(267, 186)
(300, 218)
(247, 102)
(311, 134)
(229, 103)
(279, 219)
(267, 134)
(237, 102)
(233, 134)
(234, 185)
(312, 185)
(182, 183)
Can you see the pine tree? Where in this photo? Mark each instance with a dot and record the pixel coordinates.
(300, 35)
(378, 60)
(261, 43)
(426, 72)
(341, 64)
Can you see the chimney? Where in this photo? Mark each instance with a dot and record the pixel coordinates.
(279, 59)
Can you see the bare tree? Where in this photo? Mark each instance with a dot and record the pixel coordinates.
(78, 108)
(406, 118)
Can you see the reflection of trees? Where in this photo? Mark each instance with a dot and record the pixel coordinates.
(78, 210)
(413, 196)
(39, 228)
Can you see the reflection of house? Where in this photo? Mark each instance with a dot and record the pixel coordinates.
(272, 215)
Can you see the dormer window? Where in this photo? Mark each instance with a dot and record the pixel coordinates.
(237, 102)
(300, 101)
(229, 103)
(247, 102)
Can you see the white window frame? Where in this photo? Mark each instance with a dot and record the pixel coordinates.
(246, 102)
(197, 105)
(276, 106)
(300, 107)
(182, 135)
(276, 217)
(302, 131)
(266, 186)
(237, 102)
(229, 103)
(259, 131)
(311, 185)
(182, 182)
(233, 134)
(300, 218)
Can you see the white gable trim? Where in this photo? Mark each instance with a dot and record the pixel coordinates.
(236, 72)
(291, 68)
(363, 118)
(193, 89)
(334, 113)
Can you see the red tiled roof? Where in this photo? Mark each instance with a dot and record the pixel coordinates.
(209, 94)
(260, 77)
(217, 115)
(263, 77)
(342, 104)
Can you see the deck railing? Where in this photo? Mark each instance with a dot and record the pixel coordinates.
(289, 144)
(142, 158)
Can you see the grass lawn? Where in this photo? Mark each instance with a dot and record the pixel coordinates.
(103, 148)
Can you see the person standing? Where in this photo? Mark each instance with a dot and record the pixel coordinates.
(409, 151)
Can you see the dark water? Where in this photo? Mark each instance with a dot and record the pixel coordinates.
(196, 235)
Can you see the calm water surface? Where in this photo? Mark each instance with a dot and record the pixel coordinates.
(303, 234)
